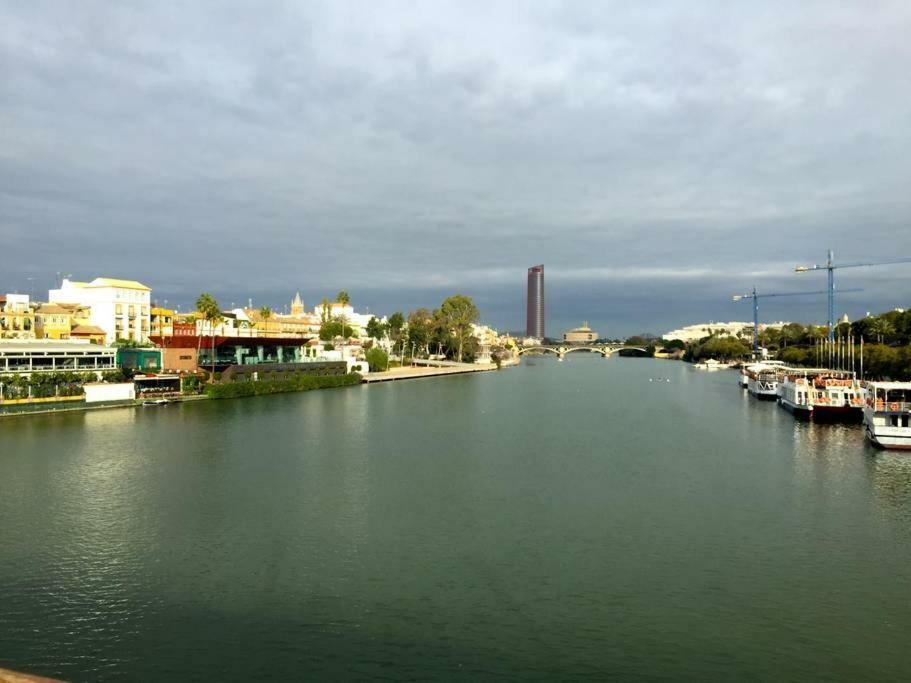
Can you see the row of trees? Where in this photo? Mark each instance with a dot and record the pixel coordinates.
(718, 347)
(445, 330)
(893, 328)
(879, 360)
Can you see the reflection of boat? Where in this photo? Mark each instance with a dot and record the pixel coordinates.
(155, 402)
(887, 412)
(712, 364)
(821, 394)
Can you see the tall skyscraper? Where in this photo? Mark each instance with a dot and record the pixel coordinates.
(534, 318)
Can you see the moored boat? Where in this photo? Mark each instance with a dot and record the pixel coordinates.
(763, 379)
(712, 364)
(887, 414)
(821, 394)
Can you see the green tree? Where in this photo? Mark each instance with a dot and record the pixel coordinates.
(343, 298)
(456, 316)
(718, 347)
(420, 329)
(375, 329)
(335, 327)
(211, 313)
(882, 328)
(792, 333)
(395, 325)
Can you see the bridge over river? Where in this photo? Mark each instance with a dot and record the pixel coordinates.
(560, 350)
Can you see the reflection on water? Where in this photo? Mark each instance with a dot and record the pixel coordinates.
(891, 476)
(555, 520)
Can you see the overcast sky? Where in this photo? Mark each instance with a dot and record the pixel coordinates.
(656, 157)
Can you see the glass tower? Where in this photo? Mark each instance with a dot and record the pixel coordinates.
(534, 318)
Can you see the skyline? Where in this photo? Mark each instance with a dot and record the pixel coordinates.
(657, 159)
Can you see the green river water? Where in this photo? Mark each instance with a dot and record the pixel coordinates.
(552, 521)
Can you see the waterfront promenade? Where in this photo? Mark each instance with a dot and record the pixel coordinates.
(420, 371)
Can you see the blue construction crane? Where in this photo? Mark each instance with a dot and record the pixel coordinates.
(756, 297)
(830, 267)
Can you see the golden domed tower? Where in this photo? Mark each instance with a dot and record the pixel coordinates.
(297, 305)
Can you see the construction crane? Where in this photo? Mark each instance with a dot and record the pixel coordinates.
(756, 297)
(830, 266)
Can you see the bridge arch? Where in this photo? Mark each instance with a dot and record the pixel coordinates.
(549, 349)
(604, 349)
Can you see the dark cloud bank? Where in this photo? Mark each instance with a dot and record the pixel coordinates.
(657, 157)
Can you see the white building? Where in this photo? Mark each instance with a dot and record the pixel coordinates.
(357, 320)
(692, 333)
(487, 338)
(119, 307)
(53, 355)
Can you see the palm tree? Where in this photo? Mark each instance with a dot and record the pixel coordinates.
(882, 328)
(326, 308)
(343, 298)
(211, 313)
(265, 313)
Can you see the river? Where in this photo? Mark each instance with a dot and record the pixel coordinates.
(553, 521)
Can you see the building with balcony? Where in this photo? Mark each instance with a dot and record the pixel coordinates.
(17, 317)
(119, 307)
(161, 321)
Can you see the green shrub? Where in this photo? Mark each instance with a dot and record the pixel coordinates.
(280, 386)
(377, 359)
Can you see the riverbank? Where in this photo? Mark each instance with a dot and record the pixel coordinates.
(418, 372)
(242, 390)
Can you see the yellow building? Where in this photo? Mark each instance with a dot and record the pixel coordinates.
(17, 317)
(53, 321)
(162, 321)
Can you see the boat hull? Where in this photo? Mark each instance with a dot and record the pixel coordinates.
(801, 412)
(889, 442)
(848, 414)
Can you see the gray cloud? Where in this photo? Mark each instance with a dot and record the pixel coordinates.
(656, 157)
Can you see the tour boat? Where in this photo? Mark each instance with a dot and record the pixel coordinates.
(763, 379)
(887, 414)
(821, 394)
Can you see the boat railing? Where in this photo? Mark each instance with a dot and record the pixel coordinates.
(881, 406)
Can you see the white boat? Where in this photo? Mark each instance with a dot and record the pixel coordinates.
(821, 394)
(712, 364)
(887, 414)
(155, 402)
(763, 379)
